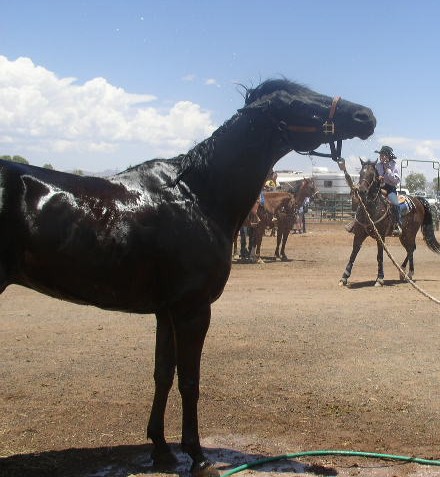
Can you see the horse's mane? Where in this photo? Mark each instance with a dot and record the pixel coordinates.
(201, 154)
(271, 85)
(294, 189)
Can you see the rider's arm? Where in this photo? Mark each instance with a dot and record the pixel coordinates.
(391, 174)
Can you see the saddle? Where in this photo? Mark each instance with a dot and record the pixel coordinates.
(403, 199)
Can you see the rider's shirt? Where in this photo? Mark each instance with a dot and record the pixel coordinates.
(390, 174)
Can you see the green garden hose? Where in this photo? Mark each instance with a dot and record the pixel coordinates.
(371, 455)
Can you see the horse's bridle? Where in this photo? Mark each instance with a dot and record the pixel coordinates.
(328, 127)
(369, 186)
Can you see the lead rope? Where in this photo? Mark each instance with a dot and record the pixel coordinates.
(349, 180)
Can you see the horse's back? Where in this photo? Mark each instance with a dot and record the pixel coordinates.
(117, 244)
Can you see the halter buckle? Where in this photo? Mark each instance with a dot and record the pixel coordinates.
(328, 127)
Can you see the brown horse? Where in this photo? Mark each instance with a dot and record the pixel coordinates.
(282, 206)
(418, 215)
(286, 218)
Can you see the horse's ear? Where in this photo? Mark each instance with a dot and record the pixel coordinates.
(362, 162)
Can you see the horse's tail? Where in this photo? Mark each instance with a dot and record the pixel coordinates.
(428, 227)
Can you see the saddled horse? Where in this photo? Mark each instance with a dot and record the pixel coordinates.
(379, 209)
(270, 204)
(121, 243)
(282, 206)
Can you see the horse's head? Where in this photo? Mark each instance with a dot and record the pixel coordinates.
(310, 189)
(368, 179)
(309, 119)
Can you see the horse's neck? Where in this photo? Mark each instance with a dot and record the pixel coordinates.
(241, 155)
(301, 195)
(376, 204)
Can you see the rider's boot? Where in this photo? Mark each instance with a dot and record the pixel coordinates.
(397, 230)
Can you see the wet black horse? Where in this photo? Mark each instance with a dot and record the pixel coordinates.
(379, 211)
(157, 238)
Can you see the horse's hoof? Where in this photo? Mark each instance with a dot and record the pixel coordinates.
(204, 469)
(236, 257)
(379, 283)
(284, 258)
(342, 282)
(164, 459)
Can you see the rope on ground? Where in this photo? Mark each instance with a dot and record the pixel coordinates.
(402, 272)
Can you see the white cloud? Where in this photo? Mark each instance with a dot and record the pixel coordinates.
(41, 112)
(212, 82)
(189, 78)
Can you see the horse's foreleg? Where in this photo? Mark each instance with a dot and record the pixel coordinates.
(380, 275)
(259, 232)
(234, 250)
(285, 236)
(403, 267)
(277, 248)
(410, 246)
(164, 369)
(190, 332)
(255, 243)
(244, 253)
(357, 244)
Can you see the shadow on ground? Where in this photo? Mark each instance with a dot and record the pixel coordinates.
(132, 460)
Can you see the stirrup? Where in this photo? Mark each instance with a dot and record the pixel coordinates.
(397, 231)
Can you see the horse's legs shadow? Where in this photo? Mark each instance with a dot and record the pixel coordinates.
(130, 460)
(371, 283)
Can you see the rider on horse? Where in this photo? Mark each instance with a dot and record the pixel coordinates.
(389, 177)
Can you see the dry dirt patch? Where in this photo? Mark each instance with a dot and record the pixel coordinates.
(292, 362)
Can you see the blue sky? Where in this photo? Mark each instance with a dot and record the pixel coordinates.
(101, 85)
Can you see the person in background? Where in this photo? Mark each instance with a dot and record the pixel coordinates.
(390, 178)
(271, 181)
(305, 207)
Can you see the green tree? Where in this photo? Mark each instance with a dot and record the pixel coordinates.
(415, 181)
(436, 185)
(48, 166)
(19, 159)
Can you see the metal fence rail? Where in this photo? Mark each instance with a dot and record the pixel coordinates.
(338, 208)
(331, 208)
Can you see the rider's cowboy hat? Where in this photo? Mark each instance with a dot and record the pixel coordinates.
(387, 151)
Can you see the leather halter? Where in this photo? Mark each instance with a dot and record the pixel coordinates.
(328, 127)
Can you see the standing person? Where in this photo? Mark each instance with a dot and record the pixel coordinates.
(390, 178)
(305, 207)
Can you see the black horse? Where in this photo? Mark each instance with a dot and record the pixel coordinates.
(379, 211)
(157, 238)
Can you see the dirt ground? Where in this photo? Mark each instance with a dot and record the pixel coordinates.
(292, 363)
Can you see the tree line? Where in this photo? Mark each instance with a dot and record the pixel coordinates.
(414, 181)
(23, 160)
